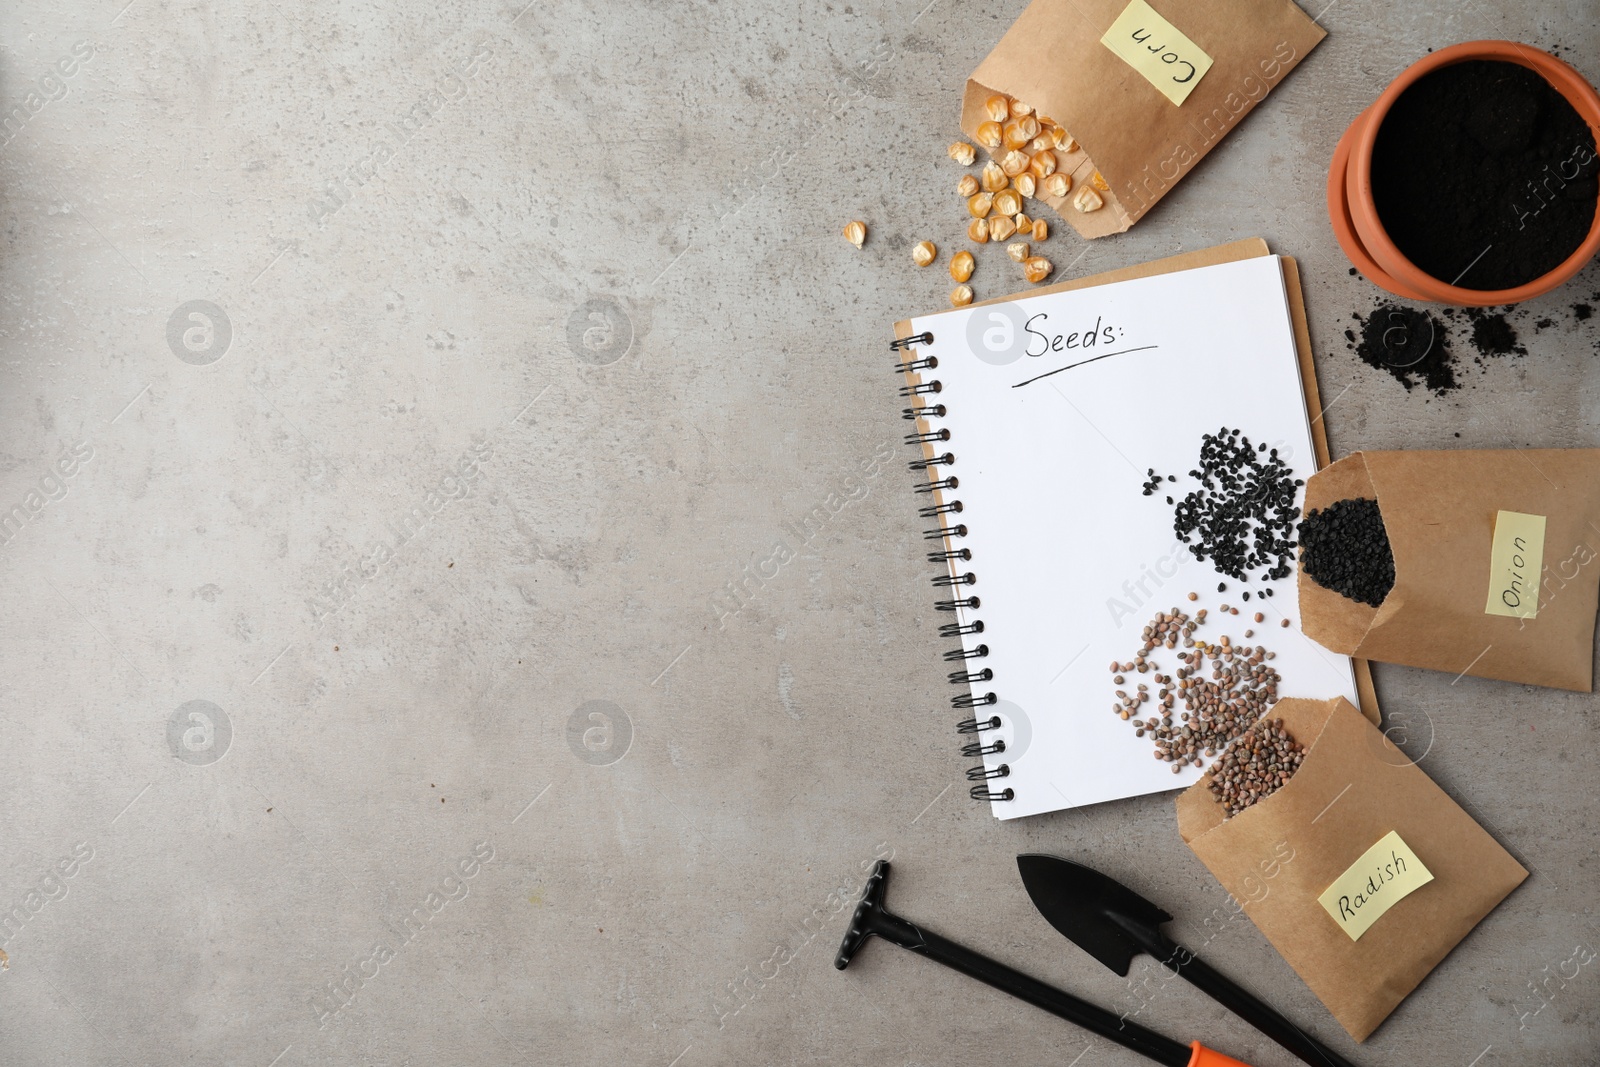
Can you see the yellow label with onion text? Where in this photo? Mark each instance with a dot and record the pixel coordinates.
(1516, 563)
(1386, 874)
(1155, 48)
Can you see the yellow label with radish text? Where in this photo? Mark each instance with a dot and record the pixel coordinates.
(1386, 874)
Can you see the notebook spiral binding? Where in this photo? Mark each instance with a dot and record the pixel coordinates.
(940, 481)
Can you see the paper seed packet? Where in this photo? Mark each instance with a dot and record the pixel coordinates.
(1361, 871)
(1144, 89)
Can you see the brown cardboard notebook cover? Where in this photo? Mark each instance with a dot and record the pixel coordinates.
(1205, 257)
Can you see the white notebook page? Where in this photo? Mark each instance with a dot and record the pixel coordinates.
(1071, 558)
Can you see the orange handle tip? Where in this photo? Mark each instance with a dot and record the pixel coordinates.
(1205, 1057)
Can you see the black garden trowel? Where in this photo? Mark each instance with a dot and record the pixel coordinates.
(873, 918)
(1114, 924)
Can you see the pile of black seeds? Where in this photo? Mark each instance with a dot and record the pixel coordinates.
(1240, 689)
(1409, 343)
(1242, 516)
(1259, 763)
(1484, 176)
(1345, 547)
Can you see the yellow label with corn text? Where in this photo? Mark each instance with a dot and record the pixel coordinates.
(1386, 874)
(1155, 48)
(1516, 564)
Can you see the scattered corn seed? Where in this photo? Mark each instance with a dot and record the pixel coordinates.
(1017, 250)
(855, 233)
(1043, 163)
(1087, 200)
(967, 186)
(1037, 268)
(1019, 109)
(1007, 202)
(989, 134)
(1041, 230)
(994, 179)
(961, 265)
(1001, 227)
(1065, 141)
(1100, 183)
(1024, 224)
(1058, 184)
(1025, 183)
(999, 108)
(961, 296)
(1046, 139)
(923, 253)
(978, 231)
(1014, 163)
(980, 205)
(963, 153)
(1019, 132)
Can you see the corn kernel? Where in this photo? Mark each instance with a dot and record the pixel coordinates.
(1024, 224)
(855, 233)
(961, 265)
(1001, 227)
(1037, 268)
(1043, 163)
(1087, 200)
(1025, 183)
(989, 134)
(967, 186)
(923, 253)
(1018, 251)
(980, 205)
(963, 153)
(961, 296)
(1065, 141)
(978, 231)
(1058, 184)
(1013, 163)
(1022, 132)
(1041, 230)
(999, 108)
(1100, 183)
(1007, 202)
(1019, 132)
(994, 177)
(1019, 109)
(1045, 122)
(1041, 142)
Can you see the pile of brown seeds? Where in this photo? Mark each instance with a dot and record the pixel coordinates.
(1255, 766)
(1219, 707)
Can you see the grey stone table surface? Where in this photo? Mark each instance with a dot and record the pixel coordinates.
(392, 395)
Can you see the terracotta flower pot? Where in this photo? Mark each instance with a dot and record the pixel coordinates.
(1355, 216)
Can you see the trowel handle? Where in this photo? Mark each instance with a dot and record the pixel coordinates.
(1205, 1057)
(1248, 1007)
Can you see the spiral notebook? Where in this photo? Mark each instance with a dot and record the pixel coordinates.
(1038, 419)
